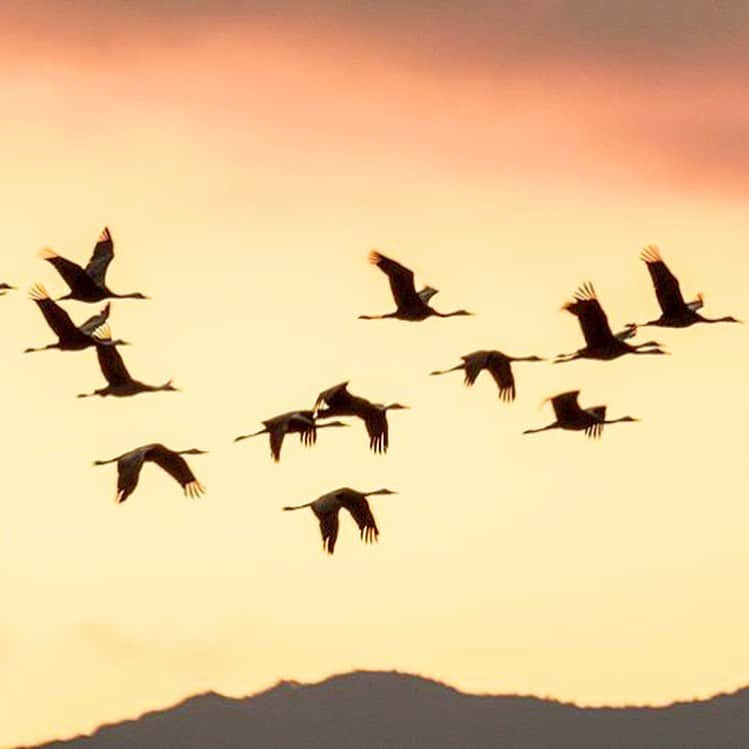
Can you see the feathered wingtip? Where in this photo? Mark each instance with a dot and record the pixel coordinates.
(585, 293)
(103, 333)
(118, 498)
(374, 257)
(105, 235)
(194, 489)
(651, 254)
(47, 254)
(37, 292)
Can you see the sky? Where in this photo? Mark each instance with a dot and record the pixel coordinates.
(247, 156)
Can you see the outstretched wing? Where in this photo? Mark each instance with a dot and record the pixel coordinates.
(112, 367)
(500, 369)
(375, 420)
(176, 466)
(329, 529)
(592, 318)
(277, 432)
(57, 318)
(401, 280)
(335, 398)
(101, 258)
(595, 430)
(71, 272)
(473, 364)
(665, 283)
(362, 514)
(566, 406)
(128, 473)
(96, 321)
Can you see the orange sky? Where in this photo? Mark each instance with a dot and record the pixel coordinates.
(246, 162)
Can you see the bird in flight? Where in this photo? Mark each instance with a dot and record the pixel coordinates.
(69, 336)
(675, 312)
(89, 284)
(600, 342)
(119, 381)
(571, 416)
(130, 463)
(327, 507)
(496, 363)
(339, 402)
(294, 422)
(411, 305)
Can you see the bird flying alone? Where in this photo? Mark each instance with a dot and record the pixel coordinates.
(411, 305)
(338, 401)
(294, 422)
(89, 284)
(571, 416)
(675, 312)
(129, 465)
(497, 364)
(119, 382)
(600, 342)
(327, 507)
(69, 336)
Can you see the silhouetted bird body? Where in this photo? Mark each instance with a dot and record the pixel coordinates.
(119, 382)
(89, 284)
(411, 305)
(496, 363)
(600, 342)
(675, 312)
(340, 402)
(69, 336)
(571, 416)
(294, 422)
(129, 466)
(327, 507)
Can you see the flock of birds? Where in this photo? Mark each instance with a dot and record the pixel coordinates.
(89, 285)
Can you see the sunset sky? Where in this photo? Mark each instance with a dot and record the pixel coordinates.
(247, 156)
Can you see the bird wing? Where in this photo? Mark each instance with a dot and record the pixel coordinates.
(277, 432)
(112, 367)
(375, 420)
(360, 510)
(595, 429)
(102, 256)
(500, 369)
(472, 366)
(71, 272)
(566, 406)
(57, 318)
(401, 280)
(336, 397)
(174, 464)
(303, 423)
(329, 529)
(590, 315)
(96, 321)
(665, 283)
(128, 473)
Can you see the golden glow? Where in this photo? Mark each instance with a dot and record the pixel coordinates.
(245, 173)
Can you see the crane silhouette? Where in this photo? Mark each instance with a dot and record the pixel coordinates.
(119, 382)
(600, 342)
(69, 336)
(327, 507)
(130, 463)
(411, 305)
(89, 284)
(293, 422)
(571, 416)
(5, 288)
(496, 363)
(675, 312)
(340, 402)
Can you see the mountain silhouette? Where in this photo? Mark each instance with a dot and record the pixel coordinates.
(390, 710)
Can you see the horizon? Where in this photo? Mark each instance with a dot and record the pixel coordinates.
(247, 156)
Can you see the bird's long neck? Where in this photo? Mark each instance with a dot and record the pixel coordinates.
(445, 371)
(717, 319)
(615, 421)
(376, 491)
(640, 350)
(131, 295)
(297, 507)
(456, 313)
